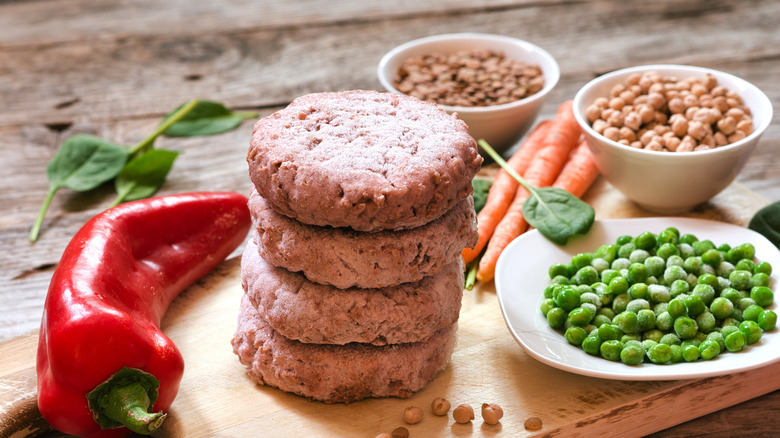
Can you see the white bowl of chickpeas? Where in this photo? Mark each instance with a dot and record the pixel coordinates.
(496, 84)
(670, 137)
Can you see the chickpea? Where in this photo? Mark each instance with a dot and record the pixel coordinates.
(413, 415)
(632, 121)
(592, 112)
(627, 133)
(491, 413)
(745, 125)
(440, 406)
(400, 432)
(463, 414)
(612, 133)
(727, 125)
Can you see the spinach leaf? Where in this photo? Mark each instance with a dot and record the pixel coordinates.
(481, 188)
(557, 214)
(206, 118)
(143, 175)
(83, 163)
(767, 223)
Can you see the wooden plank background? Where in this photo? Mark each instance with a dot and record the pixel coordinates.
(114, 68)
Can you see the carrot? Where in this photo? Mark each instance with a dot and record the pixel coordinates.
(579, 172)
(542, 172)
(503, 189)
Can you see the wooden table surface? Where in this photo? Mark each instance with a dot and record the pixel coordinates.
(114, 68)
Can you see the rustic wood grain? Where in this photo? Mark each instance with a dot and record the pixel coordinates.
(114, 68)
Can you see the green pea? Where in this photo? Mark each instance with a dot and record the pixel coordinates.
(606, 252)
(575, 335)
(762, 295)
(655, 266)
(556, 317)
(751, 330)
(730, 294)
(634, 338)
(647, 344)
(546, 306)
(690, 353)
(740, 252)
(702, 246)
(763, 268)
(618, 285)
(751, 312)
(745, 265)
(767, 320)
(660, 308)
(646, 320)
(627, 322)
(676, 353)
(709, 349)
(609, 332)
(740, 279)
(608, 312)
(567, 298)
(759, 279)
(712, 257)
(670, 339)
(692, 265)
(667, 250)
(676, 308)
(688, 239)
(626, 250)
(705, 291)
(673, 273)
(721, 308)
(592, 344)
(581, 260)
(717, 337)
(659, 353)
(580, 316)
(632, 354)
(685, 327)
(706, 322)
(608, 274)
(679, 287)
(611, 349)
(586, 275)
(637, 273)
(735, 341)
(620, 302)
(638, 291)
(667, 236)
(557, 269)
(622, 240)
(664, 321)
(645, 240)
(695, 305)
(599, 320)
(560, 280)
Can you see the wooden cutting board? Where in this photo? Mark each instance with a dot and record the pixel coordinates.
(217, 399)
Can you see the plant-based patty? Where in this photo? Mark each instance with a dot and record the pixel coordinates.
(315, 313)
(362, 159)
(345, 258)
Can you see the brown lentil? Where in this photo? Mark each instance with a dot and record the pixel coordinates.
(533, 423)
(413, 415)
(463, 414)
(400, 432)
(468, 78)
(440, 406)
(663, 113)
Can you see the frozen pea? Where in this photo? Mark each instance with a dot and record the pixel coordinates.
(627, 322)
(717, 337)
(692, 264)
(618, 285)
(702, 246)
(705, 292)
(611, 349)
(676, 353)
(608, 274)
(586, 275)
(685, 327)
(659, 293)
(567, 298)
(706, 269)
(745, 265)
(664, 321)
(712, 257)
(637, 273)
(655, 266)
(751, 312)
(659, 353)
(759, 279)
(730, 294)
(674, 260)
(670, 339)
(608, 312)
(599, 264)
(609, 332)
(659, 308)
(674, 272)
(646, 320)
(724, 269)
(547, 305)
(667, 250)
(740, 279)
(676, 308)
(620, 263)
(744, 303)
(591, 298)
(630, 338)
(598, 320)
(686, 250)
(645, 240)
(607, 253)
(638, 256)
(721, 308)
(580, 316)
(581, 260)
(654, 335)
(706, 322)
(558, 270)
(626, 250)
(741, 252)
(695, 305)
(688, 238)
(620, 302)
(679, 287)
(632, 354)
(637, 305)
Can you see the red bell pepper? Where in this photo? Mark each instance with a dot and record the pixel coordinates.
(100, 330)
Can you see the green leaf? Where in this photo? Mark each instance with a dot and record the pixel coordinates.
(85, 162)
(767, 223)
(206, 118)
(557, 214)
(144, 175)
(82, 163)
(481, 188)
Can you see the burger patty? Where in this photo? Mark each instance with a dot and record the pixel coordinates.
(345, 258)
(338, 373)
(315, 313)
(362, 159)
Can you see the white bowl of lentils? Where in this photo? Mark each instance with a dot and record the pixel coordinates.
(496, 84)
(670, 137)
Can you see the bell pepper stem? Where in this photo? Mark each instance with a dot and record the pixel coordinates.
(124, 399)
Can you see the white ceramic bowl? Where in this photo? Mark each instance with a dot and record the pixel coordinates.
(500, 125)
(671, 182)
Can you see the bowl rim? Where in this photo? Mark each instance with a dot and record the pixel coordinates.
(763, 99)
(555, 72)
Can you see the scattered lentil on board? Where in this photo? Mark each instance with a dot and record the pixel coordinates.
(468, 78)
(533, 423)
(413, 415)
(664, 113)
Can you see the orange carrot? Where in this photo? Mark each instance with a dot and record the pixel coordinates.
(579, 172)
(542, 172)
(503, 189)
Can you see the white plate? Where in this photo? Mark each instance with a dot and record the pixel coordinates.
(521, 276)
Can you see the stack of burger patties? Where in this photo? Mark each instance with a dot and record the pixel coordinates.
(353, 277)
